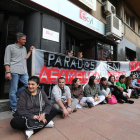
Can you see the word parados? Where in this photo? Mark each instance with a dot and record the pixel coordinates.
(66, 62)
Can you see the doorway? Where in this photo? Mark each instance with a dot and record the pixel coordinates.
(80, 41)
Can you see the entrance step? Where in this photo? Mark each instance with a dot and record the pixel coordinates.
(6, 115)
(4, 105)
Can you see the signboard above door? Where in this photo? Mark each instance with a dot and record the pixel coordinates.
(89, 3)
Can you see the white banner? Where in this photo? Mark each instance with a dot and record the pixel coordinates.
(49, 66)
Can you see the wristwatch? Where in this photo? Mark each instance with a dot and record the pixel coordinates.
(69, 106)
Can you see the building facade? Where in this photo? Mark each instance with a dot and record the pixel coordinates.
(62, 25)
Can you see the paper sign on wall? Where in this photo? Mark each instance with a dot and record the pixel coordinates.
(50, 35)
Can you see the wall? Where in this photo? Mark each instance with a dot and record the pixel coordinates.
(122, 47)
(129, 34)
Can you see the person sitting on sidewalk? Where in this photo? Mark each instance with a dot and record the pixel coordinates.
(61, 98)
(129, 88)
(121, 84)
(135, 84)
(104, 90)
(91, 92)
(116, 91)
(77, 92)
(29, 107)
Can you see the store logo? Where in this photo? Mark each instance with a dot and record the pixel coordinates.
(83, 15)
(49, 33)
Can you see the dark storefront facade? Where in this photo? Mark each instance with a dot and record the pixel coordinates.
(30, 18)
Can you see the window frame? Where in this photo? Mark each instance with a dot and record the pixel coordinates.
(131, 20)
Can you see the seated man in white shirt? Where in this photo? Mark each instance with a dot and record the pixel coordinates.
(61, 98)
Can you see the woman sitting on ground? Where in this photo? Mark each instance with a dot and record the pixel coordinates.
(29, 107)
(128, 85)
(77, 92)
(103, 89)
(116, 91)
(130, 89)
(91, 92)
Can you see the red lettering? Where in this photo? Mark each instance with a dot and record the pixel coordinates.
(44, 75)
(134, 66)
(117, 74)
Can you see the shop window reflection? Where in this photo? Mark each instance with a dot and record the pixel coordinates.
(104, 51)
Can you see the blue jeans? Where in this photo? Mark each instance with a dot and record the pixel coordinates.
(14, 93)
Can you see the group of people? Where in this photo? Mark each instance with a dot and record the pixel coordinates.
(64, 99)
(67, 99)
(70, 54)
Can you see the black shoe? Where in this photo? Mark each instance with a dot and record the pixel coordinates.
(120, 101)
(130, 101)
(90, 105)
(136, 97)
(104, 102)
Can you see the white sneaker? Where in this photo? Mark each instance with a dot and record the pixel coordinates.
(50, 124)
(29, 133)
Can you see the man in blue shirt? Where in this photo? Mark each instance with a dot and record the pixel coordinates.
(135, 84)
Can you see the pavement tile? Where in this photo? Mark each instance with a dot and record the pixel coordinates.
(45, 132)
(126, 135)
(104, 107)
(16, 137)
(122, 113)
(65, 123)
(80, 116)
(49, 134)
(137, 118)
(133, 109)
(102, 127)
(126, 124)
(79, 132)
(100, 113)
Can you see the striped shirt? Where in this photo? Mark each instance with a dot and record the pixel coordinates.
(15, 57)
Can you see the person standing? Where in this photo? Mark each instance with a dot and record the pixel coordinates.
(80, 54)
(16, 67)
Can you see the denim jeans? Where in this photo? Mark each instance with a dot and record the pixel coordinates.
(14, 93)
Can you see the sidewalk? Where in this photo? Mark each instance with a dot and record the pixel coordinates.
(103, 122)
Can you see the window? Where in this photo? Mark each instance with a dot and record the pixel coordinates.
(129, 20)
(104, 51)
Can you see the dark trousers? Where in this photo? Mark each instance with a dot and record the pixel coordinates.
(18, 122)
(135, 92)
(119, 95)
